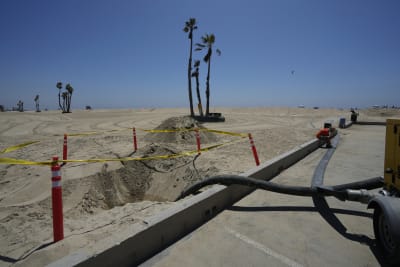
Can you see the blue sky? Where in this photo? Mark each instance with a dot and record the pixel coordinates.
(133, 54)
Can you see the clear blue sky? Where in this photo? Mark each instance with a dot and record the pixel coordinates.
(133, 54)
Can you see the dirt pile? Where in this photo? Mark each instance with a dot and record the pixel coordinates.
(156, 180)
(185, 123)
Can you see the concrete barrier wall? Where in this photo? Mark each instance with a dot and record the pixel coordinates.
(348, 124)
(187, 215)
(382, 123)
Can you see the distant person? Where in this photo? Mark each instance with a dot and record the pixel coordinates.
(353, 116)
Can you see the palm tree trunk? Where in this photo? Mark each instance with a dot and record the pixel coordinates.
(68, 102)
(198, 95)
(190, 78)
(59, 99)
(208, 87)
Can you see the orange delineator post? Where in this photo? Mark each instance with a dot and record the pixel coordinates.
(198, 141)
(65, 148)
(253, 148)
(56, 200)
(134, 139)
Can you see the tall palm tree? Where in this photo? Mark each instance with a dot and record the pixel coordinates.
(37, 103)
(190, 26)
(59, 86)
(207, 43)
(64, 96)
(70, 90)
(196, 75)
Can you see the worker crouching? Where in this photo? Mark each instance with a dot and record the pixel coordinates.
(325, 135)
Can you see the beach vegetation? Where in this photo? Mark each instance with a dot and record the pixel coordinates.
(36, 99)
(190, 26)
(66, 97)
(59, 86)
(208, 41)
(195, 74)
(20, 106)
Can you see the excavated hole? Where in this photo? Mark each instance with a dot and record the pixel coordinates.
(155, 180)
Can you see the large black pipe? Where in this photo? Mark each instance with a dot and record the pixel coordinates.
(338, 191)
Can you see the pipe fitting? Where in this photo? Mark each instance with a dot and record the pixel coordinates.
(361, 195)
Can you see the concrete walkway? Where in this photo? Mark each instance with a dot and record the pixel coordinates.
(269, 229)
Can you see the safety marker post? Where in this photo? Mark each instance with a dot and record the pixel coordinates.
(198, 140)
(65, 148)
(253, 147)
(134, 139)
(56, 199)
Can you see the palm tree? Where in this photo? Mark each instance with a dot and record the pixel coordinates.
(208, 41)
(190, 26)
(64, 96)
(37, 103)
(59, 86)
(20, 106)
(70, 90)
(196, 75)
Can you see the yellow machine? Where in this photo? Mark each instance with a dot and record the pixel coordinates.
(392, 155)
(386, 205)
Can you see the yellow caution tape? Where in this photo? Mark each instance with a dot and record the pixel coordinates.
(194, 129)
(94, 132)
(82, 134)
(23, 162)
(224, 132)
(12, 161)
(168, 130)
(161, 131)
(12, 148)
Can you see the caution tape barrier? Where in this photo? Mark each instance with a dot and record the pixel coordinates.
(194, 129)
(97, 132)
(160, 131)
(12, 161)
(16, 147)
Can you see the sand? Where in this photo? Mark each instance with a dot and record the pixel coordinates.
(100, 198)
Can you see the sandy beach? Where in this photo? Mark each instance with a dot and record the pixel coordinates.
(101, 198)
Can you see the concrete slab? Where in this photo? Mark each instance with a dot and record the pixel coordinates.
(269, 229)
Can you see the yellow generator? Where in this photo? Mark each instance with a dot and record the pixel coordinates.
(386, 205)
(392, 156)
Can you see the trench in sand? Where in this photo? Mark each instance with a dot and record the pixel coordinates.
(153, 180)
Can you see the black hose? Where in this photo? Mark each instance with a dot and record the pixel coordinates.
(368, 184)
(337, 190)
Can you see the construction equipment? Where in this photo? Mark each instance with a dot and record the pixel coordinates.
(386, 205)
(386, 202)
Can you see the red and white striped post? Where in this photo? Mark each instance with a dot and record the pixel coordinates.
(65, 148)
(198, 140)
(253, 147)
(56, 199)
(134, 139)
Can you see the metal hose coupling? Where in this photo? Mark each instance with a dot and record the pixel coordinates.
(362, 195)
